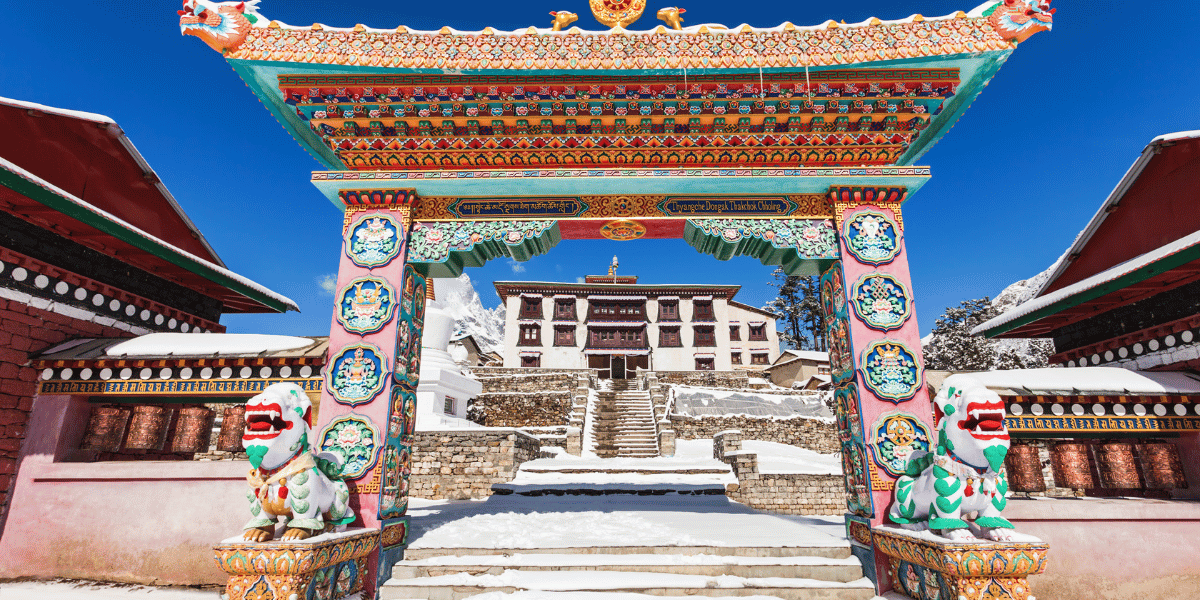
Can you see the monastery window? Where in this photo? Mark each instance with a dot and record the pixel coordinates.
(706, 364)
(758, 333)
(531, 335)
(668, 310)
(617, 311)
(564, 310)
(735, 358)
(735, 333)
(668, 337)
(705, 336)
(448, 406)
(564, 335)
(531, 308)
(703, 311)
(822, 370)
(534, 361)
(759, 358)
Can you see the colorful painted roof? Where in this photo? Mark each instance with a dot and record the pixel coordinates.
(126, 212)
(1139, 243)
(876, 93)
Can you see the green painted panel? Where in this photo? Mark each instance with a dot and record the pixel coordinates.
(445, 248)
(801, 246)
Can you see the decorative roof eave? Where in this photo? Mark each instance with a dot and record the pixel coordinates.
(31, 186)
(1140, 269)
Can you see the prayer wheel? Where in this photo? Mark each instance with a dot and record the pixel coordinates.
(1161, 465)
(1117, 466)
(233, 424)
(1071, 465)
(147, 427)
(1024, 468)
(106, 429)
(193, 430)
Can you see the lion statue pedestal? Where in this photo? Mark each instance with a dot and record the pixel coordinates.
(950, 541)
(296, 544)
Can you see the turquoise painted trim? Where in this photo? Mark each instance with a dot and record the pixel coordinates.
(970, 88)
(478, 253)
(284, 113)
(597, 181)
(769, 254)
(1153, 269)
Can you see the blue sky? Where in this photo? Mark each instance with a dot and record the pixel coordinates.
(1013, 182)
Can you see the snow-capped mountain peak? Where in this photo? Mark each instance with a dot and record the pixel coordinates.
(461, 301)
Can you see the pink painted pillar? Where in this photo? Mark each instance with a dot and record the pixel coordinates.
(368, 402)
(875, 359)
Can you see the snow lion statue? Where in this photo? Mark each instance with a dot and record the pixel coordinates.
(965, 474)
(287, 480)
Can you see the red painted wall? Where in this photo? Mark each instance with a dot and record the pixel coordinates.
(1159, 208)
(26, 330)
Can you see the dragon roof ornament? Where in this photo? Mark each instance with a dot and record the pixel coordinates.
(240, 32)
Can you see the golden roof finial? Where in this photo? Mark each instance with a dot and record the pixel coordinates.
(616, 13)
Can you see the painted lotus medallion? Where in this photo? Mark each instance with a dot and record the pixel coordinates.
(356, 374)
(374, 240)
(894, 438)
(881, 302)
(891, 371)
(366, 305)
(871, 237)
(623, 230)
(354, 440)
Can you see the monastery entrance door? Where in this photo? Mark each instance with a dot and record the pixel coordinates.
(618, 367)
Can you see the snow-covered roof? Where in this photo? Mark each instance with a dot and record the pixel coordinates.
(1113, 199)
(809, 355)
(74, 114)
(1090, 381)
(1065, 294)
(206, 344)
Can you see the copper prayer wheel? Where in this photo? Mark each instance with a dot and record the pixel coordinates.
(106, 429)
(193, 430)
(1117, 466)
(233, 424)
(1161, 466)
(147, 427)
(1024, 468)
(1071, 465)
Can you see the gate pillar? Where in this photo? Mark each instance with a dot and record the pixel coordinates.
(368, 402)
(883, 408)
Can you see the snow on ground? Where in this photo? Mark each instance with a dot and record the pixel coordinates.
(623, 580)
(702, 402)
(785, 458)
(617, 520)
(545, 595)
(90, 590)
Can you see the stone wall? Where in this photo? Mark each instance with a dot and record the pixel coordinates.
(719, 379)
(462, 464)
(782, 493)
(814, 434)
(527, 397)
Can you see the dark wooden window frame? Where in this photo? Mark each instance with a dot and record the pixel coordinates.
(704, 337)
(675, 336)
(523, 337)
(758, 333)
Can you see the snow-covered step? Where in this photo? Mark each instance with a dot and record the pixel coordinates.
(810, 567)
(825, 551)
(462, 585)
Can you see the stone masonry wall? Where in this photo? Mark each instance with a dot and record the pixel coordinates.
(25, 330)
(720, 379)
(462, 464)
(524, 397)
(783, 493)
(813, 434)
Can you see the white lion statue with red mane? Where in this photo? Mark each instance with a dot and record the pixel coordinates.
(965, 474)
(287, 479)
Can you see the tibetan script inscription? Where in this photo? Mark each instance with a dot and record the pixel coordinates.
(507, 208)
(1106, 423)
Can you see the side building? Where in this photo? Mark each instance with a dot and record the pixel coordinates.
(616, 325)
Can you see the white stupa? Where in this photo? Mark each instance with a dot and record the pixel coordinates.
(444, 390)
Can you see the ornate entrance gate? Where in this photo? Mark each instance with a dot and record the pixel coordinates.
(794, 145)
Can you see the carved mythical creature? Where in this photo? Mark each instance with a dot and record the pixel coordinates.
(288, 480)
(964, 475)
(222, 25)
(670, 16)
(562, 18)
(1016, 20)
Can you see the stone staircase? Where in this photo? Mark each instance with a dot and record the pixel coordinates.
(624, 421)
(790, 573)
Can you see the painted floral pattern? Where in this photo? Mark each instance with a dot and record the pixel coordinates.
(356, 374)
(373, 241)
(871, 237)
(353, 440)
(881, 302)
(891, 371)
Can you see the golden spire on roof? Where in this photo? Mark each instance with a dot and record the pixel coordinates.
(617, 13)
(612, 269)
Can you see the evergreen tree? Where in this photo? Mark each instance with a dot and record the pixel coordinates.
(953, 348)
(798, 308)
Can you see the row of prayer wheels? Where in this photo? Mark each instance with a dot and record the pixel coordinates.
(158, 428)
(1150, 464)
